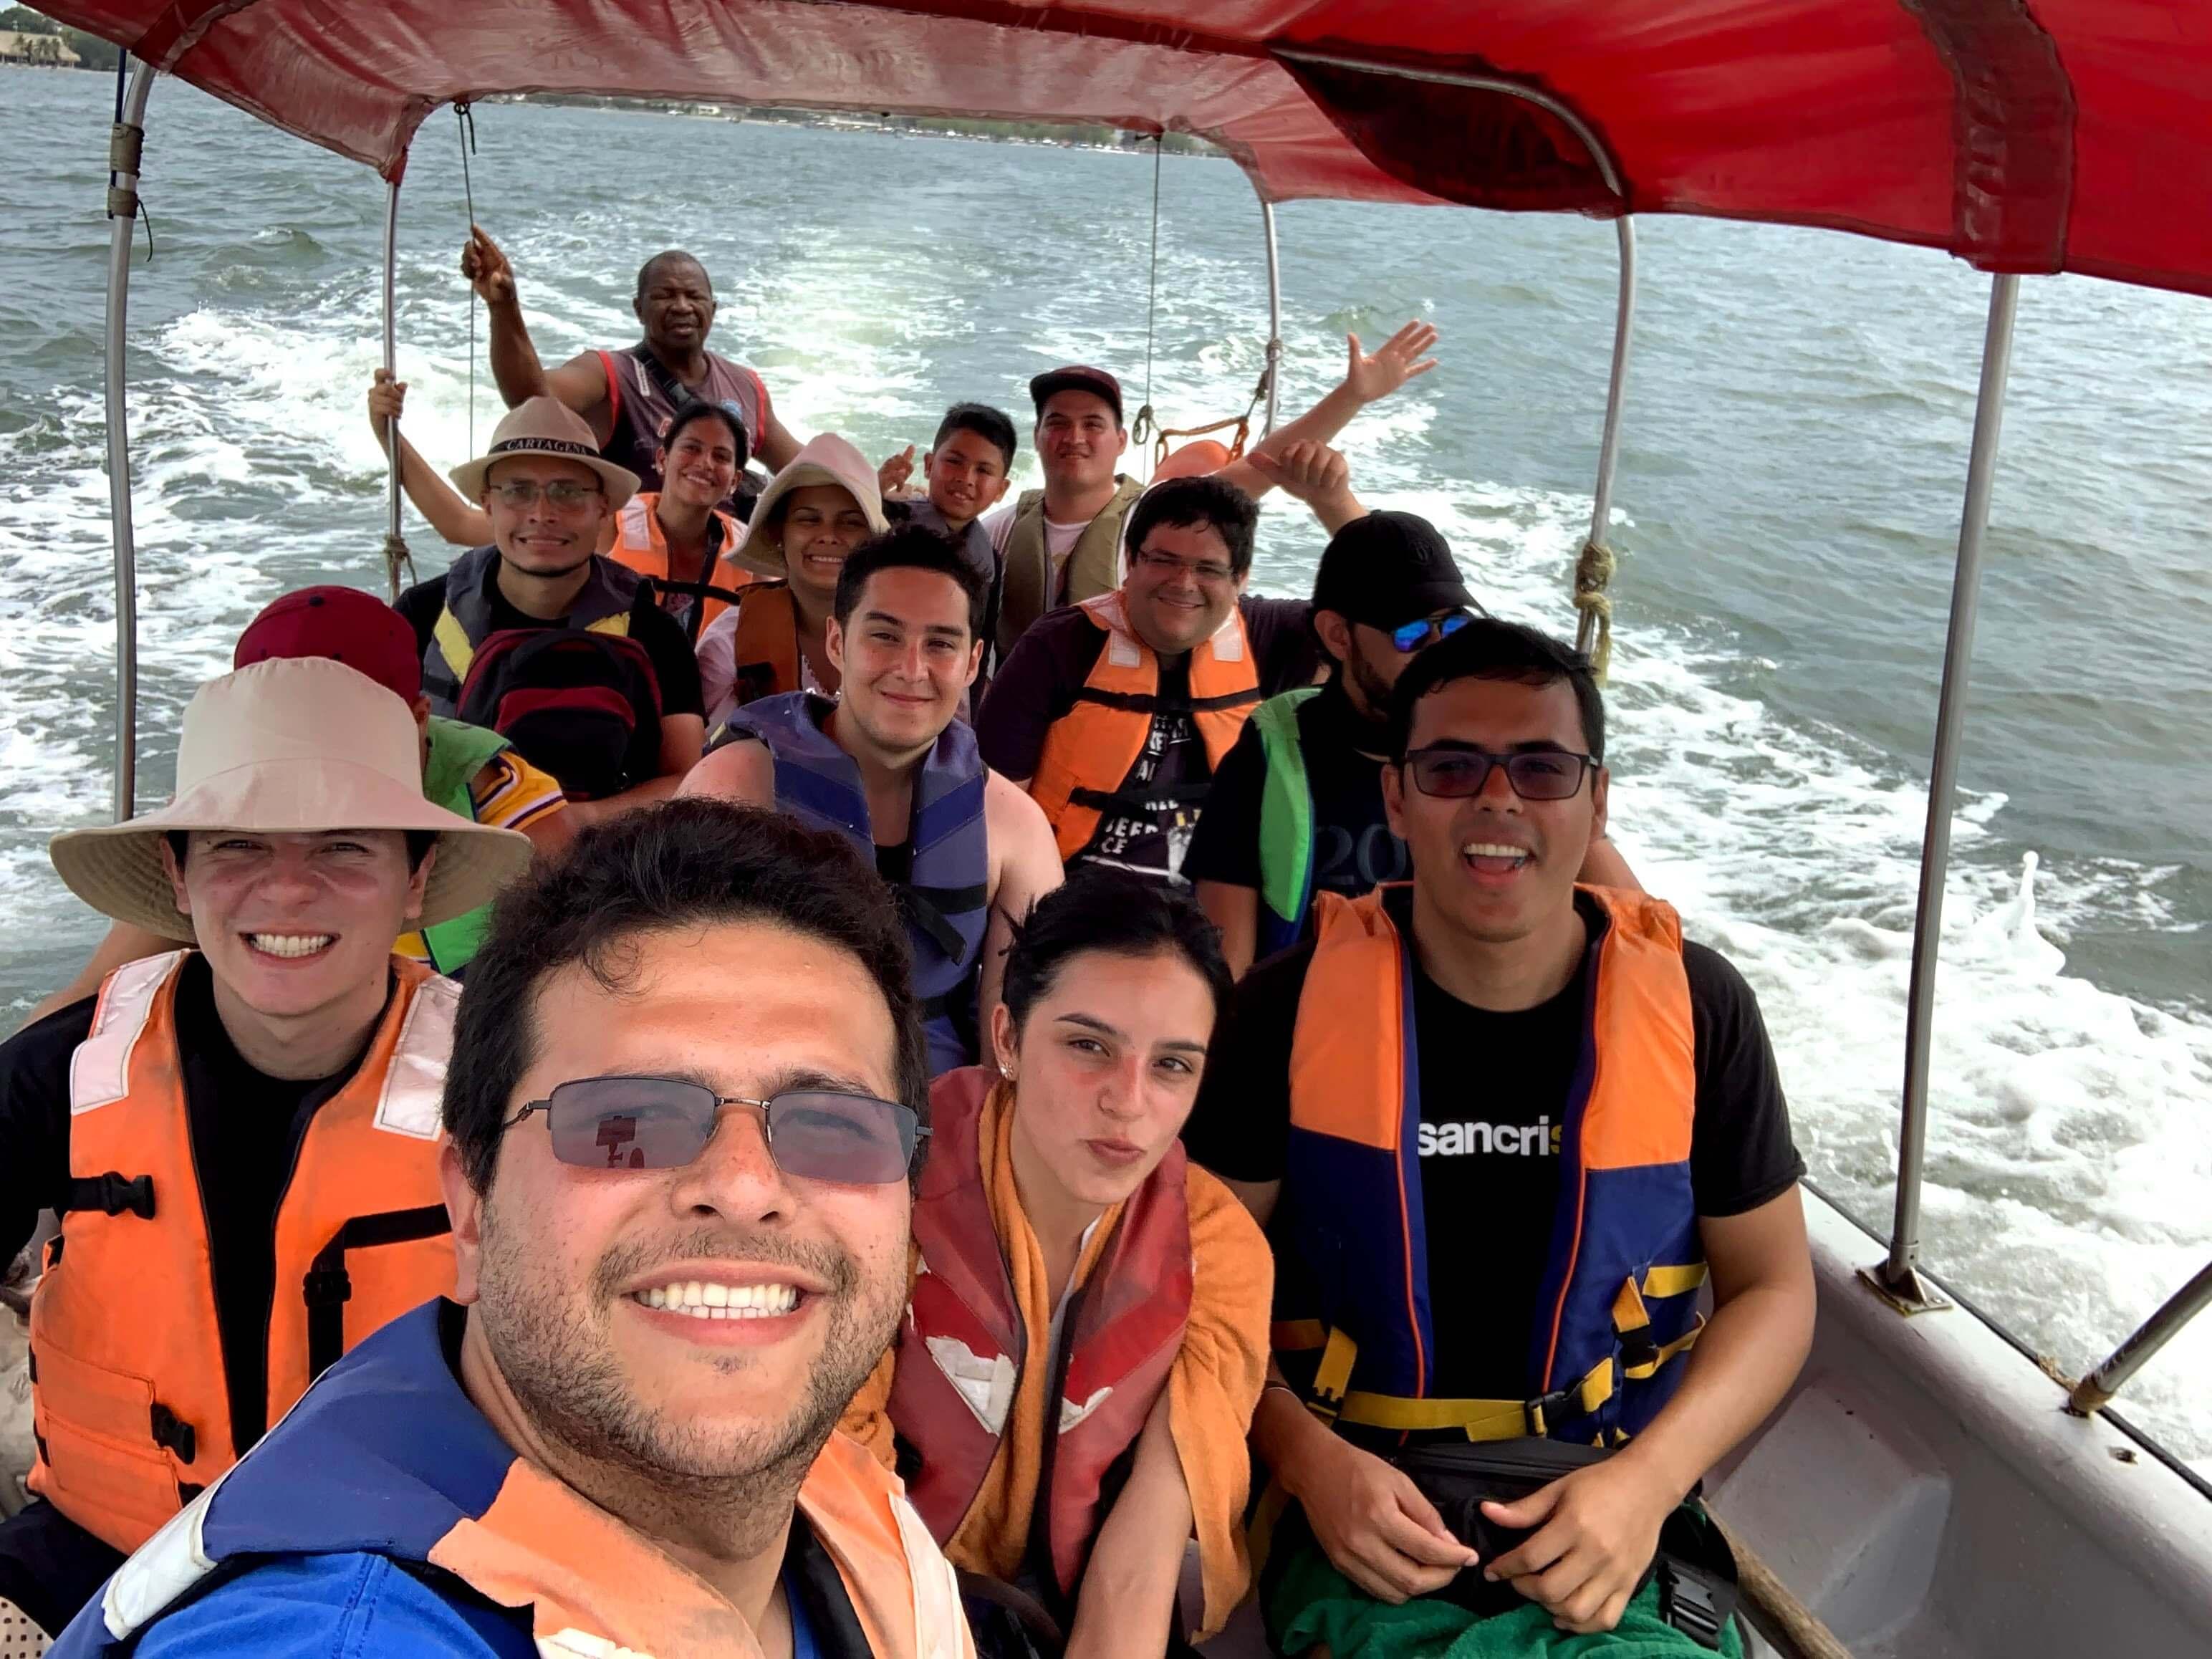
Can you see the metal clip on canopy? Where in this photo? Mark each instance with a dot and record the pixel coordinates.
(125, 146)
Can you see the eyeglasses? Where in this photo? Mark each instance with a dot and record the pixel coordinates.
(664, 1123)
(562, 495)
(1211, 572)
(1534, 773)
(1429, 629)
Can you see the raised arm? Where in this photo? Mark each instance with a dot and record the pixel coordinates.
(581, 383)
(1311, 471)
(450, 514)
(1366, 379)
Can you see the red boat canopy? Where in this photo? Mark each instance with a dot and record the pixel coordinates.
(2029, 136)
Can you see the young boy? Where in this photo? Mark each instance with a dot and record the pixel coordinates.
(966, 469)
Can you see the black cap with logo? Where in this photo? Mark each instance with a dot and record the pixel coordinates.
(1388, 569)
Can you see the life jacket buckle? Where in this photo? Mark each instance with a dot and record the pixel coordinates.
(1547, 1411)
(1687, 1602)
(327, 1288)
(113, 1192)
(173, 1434)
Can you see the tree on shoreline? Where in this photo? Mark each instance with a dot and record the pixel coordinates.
(96, 53)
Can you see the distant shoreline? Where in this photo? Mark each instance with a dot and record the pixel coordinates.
(1064, 135)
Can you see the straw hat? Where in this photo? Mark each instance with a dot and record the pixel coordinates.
(288, 746)
(826, 459)
(544, 426)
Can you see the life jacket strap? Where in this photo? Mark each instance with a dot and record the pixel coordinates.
(111, 1193)
(328, 1287)
(1483, 1419)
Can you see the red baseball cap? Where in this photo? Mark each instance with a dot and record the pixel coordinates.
(342, 623)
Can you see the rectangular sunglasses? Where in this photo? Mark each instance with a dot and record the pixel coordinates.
(663, 1123)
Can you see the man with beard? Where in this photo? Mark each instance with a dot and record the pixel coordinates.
(682, 1245)
(1296, 807)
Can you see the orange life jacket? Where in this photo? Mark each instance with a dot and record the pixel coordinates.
(963, 1348)
(642, 545)
(767, 644)
(128, 1391)
(1089, 750)
(429, 1482)
(1618, 1302)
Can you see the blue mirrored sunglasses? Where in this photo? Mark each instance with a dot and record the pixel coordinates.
(1429, 629)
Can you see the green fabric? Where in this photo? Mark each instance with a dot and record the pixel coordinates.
(1286, 837)
(458, 753)
(1308, 1602)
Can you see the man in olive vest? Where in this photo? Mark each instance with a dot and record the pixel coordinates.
(1062, 545)
(240, 1133)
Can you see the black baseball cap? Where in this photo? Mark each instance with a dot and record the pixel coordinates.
(1388, 569)
(1076, 377)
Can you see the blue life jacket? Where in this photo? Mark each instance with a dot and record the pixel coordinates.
(945, 898)
(1618, 1300)
(386, 1456)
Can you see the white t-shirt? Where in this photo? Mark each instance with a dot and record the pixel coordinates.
(1060, 540)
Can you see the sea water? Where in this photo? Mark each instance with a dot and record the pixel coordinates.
(1794, 453)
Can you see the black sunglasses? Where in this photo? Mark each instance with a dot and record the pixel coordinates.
(663, 1123)
(1534, 773)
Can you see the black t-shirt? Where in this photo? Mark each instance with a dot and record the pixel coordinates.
(1493, 1091)
(1354, 851)
(245, 1131)
(660, 633)
(1037, 685)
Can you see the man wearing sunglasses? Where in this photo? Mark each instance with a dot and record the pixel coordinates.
(683, 1111)
(1511, 1123)
(1296, 807)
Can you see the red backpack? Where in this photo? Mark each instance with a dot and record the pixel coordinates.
(583, 706)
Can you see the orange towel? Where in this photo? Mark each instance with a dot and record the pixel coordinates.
(1213, 1387)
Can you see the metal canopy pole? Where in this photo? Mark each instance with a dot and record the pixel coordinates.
(1274, 316)
(395, 548)
(2096, 1390)
(125, 144)
(1899, 1277)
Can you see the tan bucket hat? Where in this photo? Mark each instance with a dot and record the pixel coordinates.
(287, 746)
(826, 459)
(544, 426)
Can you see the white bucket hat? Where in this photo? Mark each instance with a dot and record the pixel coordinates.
(290, 746)
(826, 459)
(544, 426)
